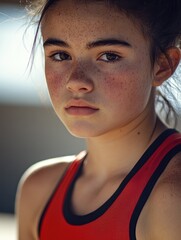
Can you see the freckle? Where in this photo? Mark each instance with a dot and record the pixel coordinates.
(138, 133)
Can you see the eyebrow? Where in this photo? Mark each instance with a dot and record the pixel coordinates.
(90, 45)
(108, 42)
(55, 42)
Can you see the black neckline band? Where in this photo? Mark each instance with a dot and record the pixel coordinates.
(74, 219)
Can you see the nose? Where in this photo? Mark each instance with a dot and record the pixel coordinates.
(79, 82)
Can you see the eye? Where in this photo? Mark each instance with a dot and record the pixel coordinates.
(110, 57)
(60, 56)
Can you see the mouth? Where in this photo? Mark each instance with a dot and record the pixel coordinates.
(80, 108)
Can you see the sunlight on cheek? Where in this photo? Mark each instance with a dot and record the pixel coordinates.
(118, 85)
(54, 83)
(129, 90)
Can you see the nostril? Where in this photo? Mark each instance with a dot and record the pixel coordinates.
(76, 88)
(84, 90)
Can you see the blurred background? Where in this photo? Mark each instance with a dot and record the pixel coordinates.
(29, 129)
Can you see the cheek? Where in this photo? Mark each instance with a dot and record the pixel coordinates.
(54, 82)
(117, 85)
(127, 87)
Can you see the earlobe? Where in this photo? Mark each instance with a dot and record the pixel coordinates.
(166, 65)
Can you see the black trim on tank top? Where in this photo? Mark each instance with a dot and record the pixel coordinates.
(74, 219)
(148, 189)
(50, 199)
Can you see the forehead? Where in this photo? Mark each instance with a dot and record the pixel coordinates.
(71, 19)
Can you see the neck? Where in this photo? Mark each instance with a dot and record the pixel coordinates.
(119, 151)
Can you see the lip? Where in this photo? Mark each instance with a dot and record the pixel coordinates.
(79, 107)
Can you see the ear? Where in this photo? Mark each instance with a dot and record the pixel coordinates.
(165, 65)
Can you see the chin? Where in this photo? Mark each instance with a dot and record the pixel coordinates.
(81, 133)
(80, 129)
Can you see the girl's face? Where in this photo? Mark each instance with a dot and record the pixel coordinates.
(98, 67)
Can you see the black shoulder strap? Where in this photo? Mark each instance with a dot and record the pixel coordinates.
(149, 187)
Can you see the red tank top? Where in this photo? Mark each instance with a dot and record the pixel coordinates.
(116, 219)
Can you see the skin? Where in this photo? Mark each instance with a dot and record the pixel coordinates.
(116, 83)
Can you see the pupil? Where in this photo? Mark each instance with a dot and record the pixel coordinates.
(63, 56)
(111, 56)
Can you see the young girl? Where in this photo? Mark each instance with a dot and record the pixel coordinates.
(104, 61)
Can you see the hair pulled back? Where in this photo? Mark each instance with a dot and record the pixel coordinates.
(159, 21)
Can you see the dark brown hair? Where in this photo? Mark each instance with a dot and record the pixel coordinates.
(160, 22)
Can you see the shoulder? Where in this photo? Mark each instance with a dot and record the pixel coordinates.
(165, 203)
(44, 173)
(35, 187)
(39, 171)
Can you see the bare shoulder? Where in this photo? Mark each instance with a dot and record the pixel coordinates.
(164, 209)
(35, 187)
(39, 170)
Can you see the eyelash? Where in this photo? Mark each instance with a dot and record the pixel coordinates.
(112, 54)
(53, 56)
(68, 57)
